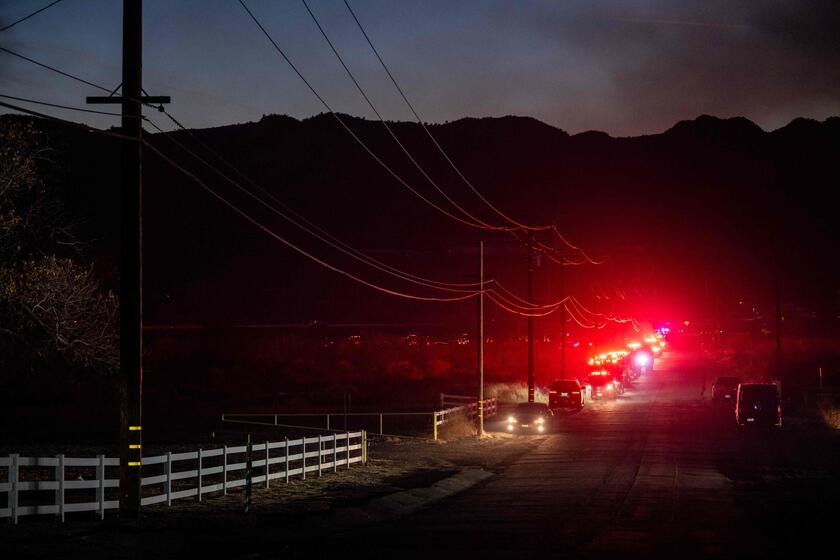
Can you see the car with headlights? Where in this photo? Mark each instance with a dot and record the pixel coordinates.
(534, 418)
(565, 393)
(758, 404)
(641, 362)
(602, 385)
(724, 391)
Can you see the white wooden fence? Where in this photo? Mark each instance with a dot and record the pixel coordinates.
(207, 471)
(448, 401)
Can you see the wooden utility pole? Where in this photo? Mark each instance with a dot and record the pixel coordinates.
(131, 265)
(481, 339)
(531, 380)
(778, 332)
(562, 323)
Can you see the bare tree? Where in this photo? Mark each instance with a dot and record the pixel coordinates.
(47, 303)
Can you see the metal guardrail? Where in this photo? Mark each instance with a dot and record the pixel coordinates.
(210, 470)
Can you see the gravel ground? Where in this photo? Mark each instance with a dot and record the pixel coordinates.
(280, 514)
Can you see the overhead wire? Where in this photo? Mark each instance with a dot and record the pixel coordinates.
(428, 132)
(74, 124)
(446, 156)
(291, 245)
(358, 255)
(57, 106)
(528, 307)
(35, 13)
(347, 128)
(390, 131)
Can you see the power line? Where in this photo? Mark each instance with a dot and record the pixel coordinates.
(35, 13)
(291, 245)
(330, 239)
(443, 152)
(428, 132)
(478, 221)
(174, 120)
(65, 121)
(57, 106)
(529, 307)
(74, 77)
(347, 128)
(54, 69)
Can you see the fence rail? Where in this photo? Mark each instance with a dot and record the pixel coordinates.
(456, 406)
(207, 471)
(491, 406)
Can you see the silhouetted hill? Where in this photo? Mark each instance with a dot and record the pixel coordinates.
(709, 202)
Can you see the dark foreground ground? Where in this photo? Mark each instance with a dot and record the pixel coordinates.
(656, 473)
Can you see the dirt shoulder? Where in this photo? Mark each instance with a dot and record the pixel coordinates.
(283, 513)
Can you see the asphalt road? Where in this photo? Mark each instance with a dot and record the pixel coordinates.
(657, 472)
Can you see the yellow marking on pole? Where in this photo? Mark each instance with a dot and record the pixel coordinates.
(135, 446)
(134, 463)
(134, 428)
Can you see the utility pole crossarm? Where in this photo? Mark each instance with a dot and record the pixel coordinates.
(117, 99)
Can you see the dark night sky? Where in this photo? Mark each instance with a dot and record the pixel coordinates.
(625, 67)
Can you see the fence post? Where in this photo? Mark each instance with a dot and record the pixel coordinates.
(224, 470)
(169, 478)
(100, 491)
(328, 421)
(249, 464)
(267, 466)
(275, 419)
(320, 455)
(303, 456)
(199, 473)
(335, 454)
(347, 448)
(434, 424)
(59, 493)
(380, 424)
(13, 487)
(364, 447)
(287, 460)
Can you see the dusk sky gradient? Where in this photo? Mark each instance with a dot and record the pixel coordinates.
(624, 67)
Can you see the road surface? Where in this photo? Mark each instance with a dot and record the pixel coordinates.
(657, 472)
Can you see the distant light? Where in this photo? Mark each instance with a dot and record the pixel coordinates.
(642, 359)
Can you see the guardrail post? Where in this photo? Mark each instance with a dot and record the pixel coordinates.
(275, 419)
(100, 491)
(347, 448)
(335, 453)
(169, 478)
(287, 460)
(380, 424)
(267, 466)
(14, 476)
(199, 474)
(328, 421)
(434, 424)
(320, 455)
(59, 478)
(303, 456)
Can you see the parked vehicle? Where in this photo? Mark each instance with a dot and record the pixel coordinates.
(531, 418)
(565, 393)
(758, 404)
(724, 391)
